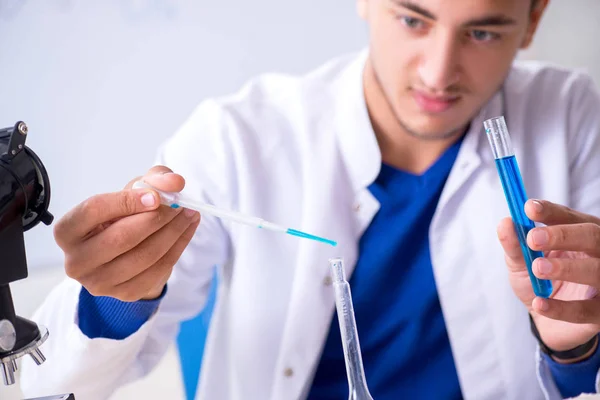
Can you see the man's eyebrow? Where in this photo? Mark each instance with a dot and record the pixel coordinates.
(490, 20)
(415, 8)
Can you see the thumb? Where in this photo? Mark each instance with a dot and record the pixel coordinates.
(512, 248)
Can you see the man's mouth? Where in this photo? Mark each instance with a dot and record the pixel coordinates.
(433, 104)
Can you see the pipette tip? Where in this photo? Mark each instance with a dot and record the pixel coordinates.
(312, 237)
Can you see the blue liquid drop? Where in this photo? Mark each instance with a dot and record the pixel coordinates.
(294, 232)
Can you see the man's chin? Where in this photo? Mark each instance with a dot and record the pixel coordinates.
(432, 128)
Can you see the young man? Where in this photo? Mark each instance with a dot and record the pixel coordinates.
(384, 152)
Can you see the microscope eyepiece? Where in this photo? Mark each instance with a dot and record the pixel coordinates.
(24, 201)
(24, 182)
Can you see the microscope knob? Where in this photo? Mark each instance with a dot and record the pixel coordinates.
(47, 218)
(37, 356)
(8, 373)
(8, 335)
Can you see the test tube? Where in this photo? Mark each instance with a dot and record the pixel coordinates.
(514, 192)
(357, 382)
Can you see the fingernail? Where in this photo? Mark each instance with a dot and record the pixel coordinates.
(148, 200)
(539, 237)
(538, 206)
(544, 266)
(542, 304)
(189, 213)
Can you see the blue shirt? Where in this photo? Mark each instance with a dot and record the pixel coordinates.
(401, 327)
(107, 317)
(400, 323)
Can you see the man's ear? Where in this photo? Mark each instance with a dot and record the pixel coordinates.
(534, 20)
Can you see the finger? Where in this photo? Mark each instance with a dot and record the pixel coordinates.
(583, 237)
(174, 253)
(510, 243)
(577, 312)
(119, 238)
(583, 270)
(162, 178)
(155, 170)
(169, 182)
(550, 213)
(100, 209)
(99, 228)
(132, 263)
(139, 286)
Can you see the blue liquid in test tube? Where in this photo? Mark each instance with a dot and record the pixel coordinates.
(514, 191)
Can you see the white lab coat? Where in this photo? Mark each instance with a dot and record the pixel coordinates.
(300, 151)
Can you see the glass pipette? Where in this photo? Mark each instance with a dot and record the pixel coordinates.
(357, 383)
(514, 191)
(176, 200)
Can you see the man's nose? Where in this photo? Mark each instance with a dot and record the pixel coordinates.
(439, 66)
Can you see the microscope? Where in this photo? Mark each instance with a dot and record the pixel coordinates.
(24, 201)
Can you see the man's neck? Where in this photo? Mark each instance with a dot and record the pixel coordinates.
(399, 148)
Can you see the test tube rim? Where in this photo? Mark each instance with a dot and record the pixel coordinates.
(338, 274)
(498, 136)
(491, 121)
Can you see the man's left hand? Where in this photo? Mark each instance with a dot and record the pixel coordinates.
(570, 241)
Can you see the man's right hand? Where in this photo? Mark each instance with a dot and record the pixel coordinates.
(125, 244)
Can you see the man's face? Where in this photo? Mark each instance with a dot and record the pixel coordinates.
(436, 62)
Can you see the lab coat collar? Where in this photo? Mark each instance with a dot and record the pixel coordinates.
(358, 143)
(473, 151)
(359, 148)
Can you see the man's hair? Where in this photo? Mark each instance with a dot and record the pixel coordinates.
(534, 3)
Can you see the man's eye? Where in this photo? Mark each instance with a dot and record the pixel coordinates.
(411, 22)
(484, 36)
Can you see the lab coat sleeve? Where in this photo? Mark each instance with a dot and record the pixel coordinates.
(94, 368)
(584, 170)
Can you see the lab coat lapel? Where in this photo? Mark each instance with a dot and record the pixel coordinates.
(465, 211)
(312, 300)
(336, 204)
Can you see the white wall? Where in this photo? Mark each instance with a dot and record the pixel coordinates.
(568, 35)
(102, 83)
